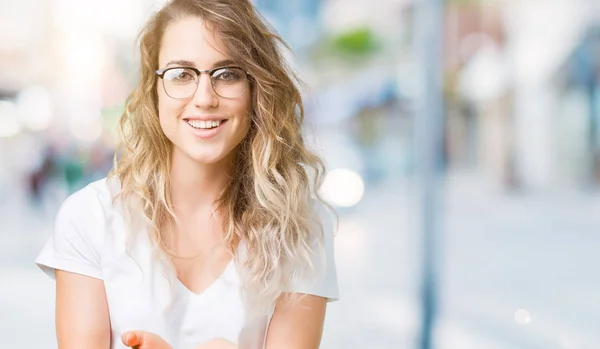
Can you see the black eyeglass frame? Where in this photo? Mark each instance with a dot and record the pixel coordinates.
(161, 73)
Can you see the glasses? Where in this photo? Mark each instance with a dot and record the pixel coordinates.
(182, 82)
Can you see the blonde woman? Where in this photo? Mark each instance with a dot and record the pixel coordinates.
(208, 233)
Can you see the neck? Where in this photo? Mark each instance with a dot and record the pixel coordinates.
(197, 186)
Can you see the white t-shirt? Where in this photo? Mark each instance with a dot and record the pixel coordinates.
(91, 238)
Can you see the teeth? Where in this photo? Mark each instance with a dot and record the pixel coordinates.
(203, 124)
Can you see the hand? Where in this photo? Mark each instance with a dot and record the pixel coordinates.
(144, 340)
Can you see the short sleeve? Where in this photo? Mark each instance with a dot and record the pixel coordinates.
(323, 281)
(75, 243)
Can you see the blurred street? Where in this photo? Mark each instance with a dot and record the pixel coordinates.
(502, 252)
(514, 123)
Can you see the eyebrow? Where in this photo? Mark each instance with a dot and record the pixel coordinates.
(185, 63)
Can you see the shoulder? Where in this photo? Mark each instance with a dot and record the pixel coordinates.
(322, 278)
(76, 244)
(89, 205)
(98, 193)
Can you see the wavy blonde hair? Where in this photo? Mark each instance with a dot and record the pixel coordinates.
(268, 203)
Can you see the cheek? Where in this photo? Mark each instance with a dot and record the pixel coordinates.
(244, 128)
(247, 118)
(168, 109)
(163, 116)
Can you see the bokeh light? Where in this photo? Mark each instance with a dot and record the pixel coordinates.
(343, 187)
(522, 317)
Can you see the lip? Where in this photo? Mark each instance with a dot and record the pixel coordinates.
(205, 133)
(205, 118)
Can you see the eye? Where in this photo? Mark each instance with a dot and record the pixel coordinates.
(228, 75)
(180, 75)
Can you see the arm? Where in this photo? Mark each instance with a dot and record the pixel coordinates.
(82, 319)
(297, 325)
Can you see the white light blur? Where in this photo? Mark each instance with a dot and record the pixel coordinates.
(80, 25)
(343, 188)
(522, 317)
(87, 130)
(113, 18)
(485, 76)
(535, 51)
(9, 123)
(34, 106)
(85, 59)
(125, 17)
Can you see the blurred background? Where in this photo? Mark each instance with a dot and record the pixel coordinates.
(513, 260)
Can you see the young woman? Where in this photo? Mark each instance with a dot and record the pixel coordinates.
(208, 233)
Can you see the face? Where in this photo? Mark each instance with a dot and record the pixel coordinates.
(186, 122)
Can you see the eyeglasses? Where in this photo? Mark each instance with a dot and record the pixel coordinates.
(182, 82)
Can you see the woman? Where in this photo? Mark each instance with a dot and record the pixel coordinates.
(208, 232)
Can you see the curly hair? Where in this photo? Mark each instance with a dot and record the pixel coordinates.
(268, 204)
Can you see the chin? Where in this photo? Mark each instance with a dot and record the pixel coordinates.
(205, 155)
(205, 159)
(212, 153)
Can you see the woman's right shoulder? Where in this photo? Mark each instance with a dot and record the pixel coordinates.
(95, 198)
(80, 231)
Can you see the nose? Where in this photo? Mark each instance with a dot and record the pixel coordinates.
(205, 96)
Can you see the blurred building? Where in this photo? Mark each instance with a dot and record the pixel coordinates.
(578, 83)
(504, 114)
(296, 20)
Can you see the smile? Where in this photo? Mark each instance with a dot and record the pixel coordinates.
(204, 125)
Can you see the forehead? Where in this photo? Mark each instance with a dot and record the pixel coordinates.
(191, 39)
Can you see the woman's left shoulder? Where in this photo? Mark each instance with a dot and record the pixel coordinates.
(322, 281)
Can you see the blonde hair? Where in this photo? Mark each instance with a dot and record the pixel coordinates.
(268, 203)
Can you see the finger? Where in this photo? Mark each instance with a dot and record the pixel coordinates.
(132, 338)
